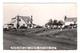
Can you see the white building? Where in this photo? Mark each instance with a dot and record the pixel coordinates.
(20, 20)
(69, 20)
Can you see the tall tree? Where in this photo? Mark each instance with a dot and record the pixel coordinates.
(60, 23)
(50, 23)
(55, 22)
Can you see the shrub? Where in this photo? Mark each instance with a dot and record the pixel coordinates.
(23, 27)
(5, 29)
(39, 26)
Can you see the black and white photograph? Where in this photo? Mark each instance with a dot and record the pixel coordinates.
(39, 26)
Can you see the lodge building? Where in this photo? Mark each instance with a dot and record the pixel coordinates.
(19, 21)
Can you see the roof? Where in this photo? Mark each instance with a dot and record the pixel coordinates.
(70, 19)
(26, 19)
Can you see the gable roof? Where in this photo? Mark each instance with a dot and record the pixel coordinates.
(26, 19)
(70, 19)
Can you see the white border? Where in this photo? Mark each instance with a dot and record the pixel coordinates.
(39, 51)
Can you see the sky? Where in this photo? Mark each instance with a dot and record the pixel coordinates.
(41, 12)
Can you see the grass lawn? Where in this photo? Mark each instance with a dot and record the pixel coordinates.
(68, 36)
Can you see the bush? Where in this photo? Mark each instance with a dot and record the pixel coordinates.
(5, 29)
(65, 27)
(39, 27)
(14, 28)
(23, 27)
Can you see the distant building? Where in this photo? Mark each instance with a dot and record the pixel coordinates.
(72, 20)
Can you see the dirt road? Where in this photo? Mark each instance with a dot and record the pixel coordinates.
(10, 40)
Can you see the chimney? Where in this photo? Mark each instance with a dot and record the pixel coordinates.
(65, 17)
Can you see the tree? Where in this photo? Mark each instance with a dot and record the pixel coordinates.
(50, 23)
(46, 25)
(55, 22)
(60, 23)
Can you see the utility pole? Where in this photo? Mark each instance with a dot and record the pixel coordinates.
(31, 20)
(17, 21)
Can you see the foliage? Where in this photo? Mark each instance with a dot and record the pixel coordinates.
(53, 23)
(38, 26)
